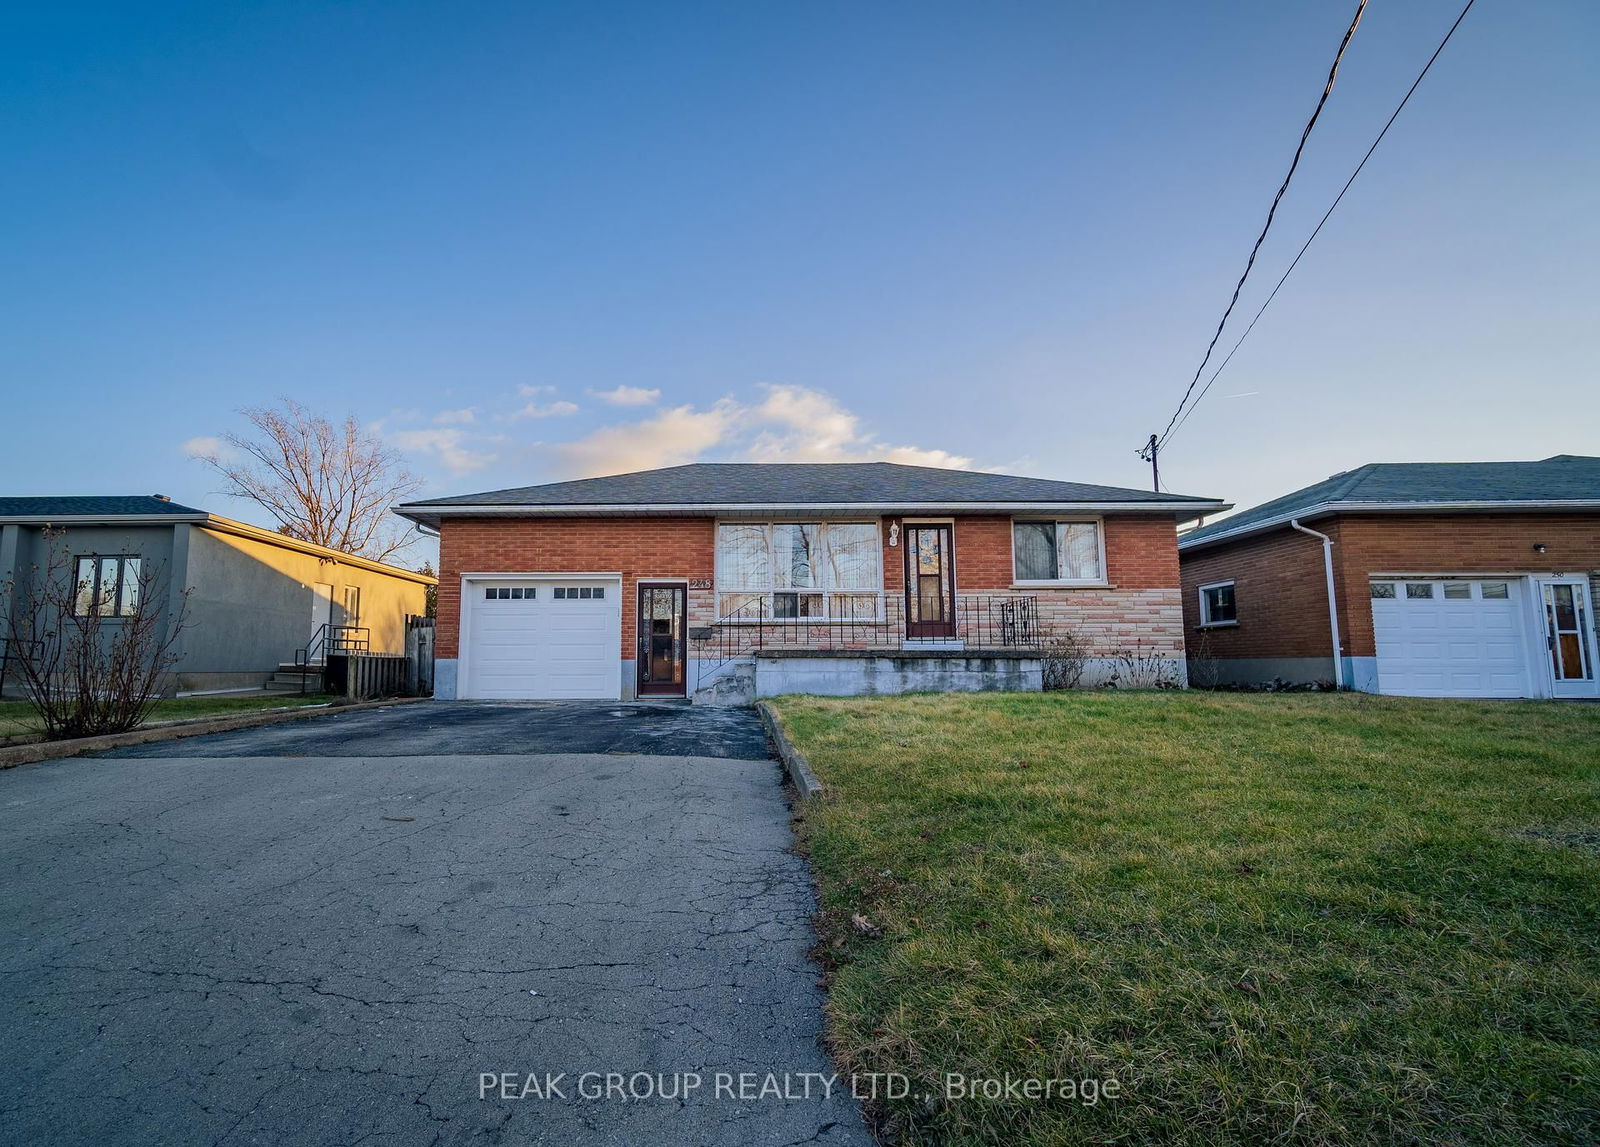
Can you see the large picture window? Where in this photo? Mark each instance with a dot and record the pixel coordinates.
(823, 570)
(1057, 551)
(107, 586)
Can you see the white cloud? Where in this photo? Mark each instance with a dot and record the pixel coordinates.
(558, 409)
(205, 447)
(628, 396)
(671, 438)
(466, 415)
(534, 391)
(450, 446)
(789, 424)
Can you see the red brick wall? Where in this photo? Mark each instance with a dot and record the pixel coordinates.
(1283, 610)
(1281, 591)
(636, 547)
(1452, 543)
(1141, 555)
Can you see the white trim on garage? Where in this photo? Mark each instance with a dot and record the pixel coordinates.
(1527, 642)
(471, 602)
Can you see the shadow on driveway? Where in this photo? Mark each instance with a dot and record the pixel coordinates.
(491, 727)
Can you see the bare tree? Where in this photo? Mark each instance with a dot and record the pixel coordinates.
(325, 484)
(93, 639)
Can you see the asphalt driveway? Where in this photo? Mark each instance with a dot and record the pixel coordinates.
(343, 929)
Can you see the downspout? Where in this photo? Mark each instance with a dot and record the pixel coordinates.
(1333, 602)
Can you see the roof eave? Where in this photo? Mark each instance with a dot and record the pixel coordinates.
(431, 514)
(100, 519)
(1324, 509)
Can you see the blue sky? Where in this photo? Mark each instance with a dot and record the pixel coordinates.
(524, 241)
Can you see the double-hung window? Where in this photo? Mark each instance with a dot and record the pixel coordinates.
(778, 570)
(1058, 552)
(107, 586)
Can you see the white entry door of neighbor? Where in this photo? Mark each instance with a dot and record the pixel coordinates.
(1569, 636)
(321, 612)
(1452, 638)
(542, 639)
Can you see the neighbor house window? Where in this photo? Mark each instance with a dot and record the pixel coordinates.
(107, 586)
(1057, 551)
(823, 570)
(1217, 604)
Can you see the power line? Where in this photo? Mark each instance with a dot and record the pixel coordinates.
(1318, 229)
(1327, 90)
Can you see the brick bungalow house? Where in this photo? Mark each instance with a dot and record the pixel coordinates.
(727, 581)
(1462, 579)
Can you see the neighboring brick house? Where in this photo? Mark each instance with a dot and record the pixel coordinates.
(1467, 579)
(733, 580)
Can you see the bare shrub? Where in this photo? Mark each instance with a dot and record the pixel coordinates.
(1141, 668)
(1205, 669)
(1064, 655)
(93, 654)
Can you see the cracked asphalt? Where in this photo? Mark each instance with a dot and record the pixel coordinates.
(238, 942)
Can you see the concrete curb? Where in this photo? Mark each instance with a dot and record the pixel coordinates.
(54, 750)
(793, 759)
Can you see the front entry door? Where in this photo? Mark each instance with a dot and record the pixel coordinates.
(1567, 636)
(663, 625)
(930, 582)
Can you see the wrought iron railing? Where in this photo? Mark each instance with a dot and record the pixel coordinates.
(982, 621)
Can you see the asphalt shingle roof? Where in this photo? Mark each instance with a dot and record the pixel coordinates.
(1564, 478)
(822, 483)
(110, 506)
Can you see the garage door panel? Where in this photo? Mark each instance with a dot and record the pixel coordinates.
(544, 647)
(1460, 646)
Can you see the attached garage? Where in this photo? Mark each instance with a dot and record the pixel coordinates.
(1443, 638)
(541, 638)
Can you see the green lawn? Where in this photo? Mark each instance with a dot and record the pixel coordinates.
(18, 716)
(1270, 919)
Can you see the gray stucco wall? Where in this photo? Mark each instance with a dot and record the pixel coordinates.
(250, 608)
(25, 550)
(249, 605)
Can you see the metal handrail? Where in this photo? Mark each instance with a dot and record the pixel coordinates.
(330, 640)
(6, 655)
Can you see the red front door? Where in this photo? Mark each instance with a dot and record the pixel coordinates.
(663, 626)
(930, 582)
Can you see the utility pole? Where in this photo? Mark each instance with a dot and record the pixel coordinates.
(1149, 452)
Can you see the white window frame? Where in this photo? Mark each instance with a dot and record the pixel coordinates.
(1102, 581)
(720, 586)
(1205, 606)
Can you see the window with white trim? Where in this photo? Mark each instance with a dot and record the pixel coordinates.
(1057, 551)
(822, 570)
(107, 586)
(1218, 605)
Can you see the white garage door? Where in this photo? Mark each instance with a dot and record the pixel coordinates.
(1451, 638)
(542, 639)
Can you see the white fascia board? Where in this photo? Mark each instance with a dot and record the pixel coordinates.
(1324, 509)
(733, 509)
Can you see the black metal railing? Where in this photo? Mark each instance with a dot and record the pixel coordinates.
(14, 650)
(1000, 622)
(329, 640)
